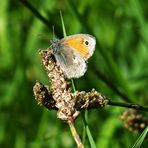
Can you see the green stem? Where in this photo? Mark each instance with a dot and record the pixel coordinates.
(128, 105)
(110, 84)
(28, 5)
(73, 85)
(63, 25)
(88, 132)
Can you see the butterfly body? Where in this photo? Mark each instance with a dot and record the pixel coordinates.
(72, 53)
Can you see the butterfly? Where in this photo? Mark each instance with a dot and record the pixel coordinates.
(72, 52)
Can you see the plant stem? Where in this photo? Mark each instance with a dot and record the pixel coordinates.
(75, 135)
(71, 123)
(111, 85)
(73, 85)
(28, 5)
(128, 105)
(63, 25)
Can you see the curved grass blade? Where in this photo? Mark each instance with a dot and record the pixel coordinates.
(140, 140)
(63, 25)
(91, 140)
(88, 132)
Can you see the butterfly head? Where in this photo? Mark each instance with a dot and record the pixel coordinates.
(55, 45)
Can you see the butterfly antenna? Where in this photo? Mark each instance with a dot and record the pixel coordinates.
(53, 35)
(53, 32)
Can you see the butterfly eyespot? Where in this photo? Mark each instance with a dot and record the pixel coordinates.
(86, 42)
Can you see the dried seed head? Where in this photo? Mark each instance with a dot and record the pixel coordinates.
(43, 96)
(89, 100)
(134, 120)
(60, 96)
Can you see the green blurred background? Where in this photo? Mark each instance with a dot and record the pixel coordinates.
(118, 69)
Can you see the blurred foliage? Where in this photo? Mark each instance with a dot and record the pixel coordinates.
(118, 69)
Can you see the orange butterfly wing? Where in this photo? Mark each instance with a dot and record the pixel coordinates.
(78, 45)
